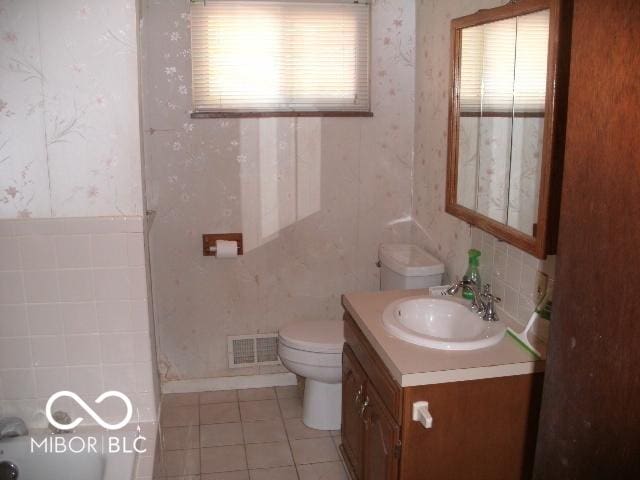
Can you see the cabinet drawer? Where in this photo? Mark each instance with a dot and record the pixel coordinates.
(390, 392)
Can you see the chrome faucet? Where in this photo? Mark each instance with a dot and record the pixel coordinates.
(12, 427)
(483, 303)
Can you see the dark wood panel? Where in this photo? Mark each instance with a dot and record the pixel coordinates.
(590, 422)
(353, 393)
(382, 440)
(389, 390)
(482, 430)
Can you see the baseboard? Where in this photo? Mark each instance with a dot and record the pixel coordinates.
(229, 383)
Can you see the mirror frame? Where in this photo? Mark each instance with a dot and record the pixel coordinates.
(544, 239)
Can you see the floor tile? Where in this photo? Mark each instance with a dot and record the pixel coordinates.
(221, 434)
(251, 394)
(237, 475)
(291, 391)
(223, 459)
(179, 399)
(279, 473)
(336, 433)
(337, 442)
(314, 450)
(242, 436)
(291, 407)
(179, 415)
(268, 455)
(323, 471)
(181, 462)
(221, 396)
(264, 431)
(259, 410)
(180, 438)
(297, 430)
(219, 413)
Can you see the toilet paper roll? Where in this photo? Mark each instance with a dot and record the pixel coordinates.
(226, 249)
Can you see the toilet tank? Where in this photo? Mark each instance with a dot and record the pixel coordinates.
(405, 266)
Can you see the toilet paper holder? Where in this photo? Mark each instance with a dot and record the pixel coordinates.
(209, 242)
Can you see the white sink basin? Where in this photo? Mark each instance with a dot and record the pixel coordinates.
(440, 323)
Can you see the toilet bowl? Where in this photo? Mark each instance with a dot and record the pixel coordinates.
(313, 350)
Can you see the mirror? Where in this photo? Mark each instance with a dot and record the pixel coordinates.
(504, 150)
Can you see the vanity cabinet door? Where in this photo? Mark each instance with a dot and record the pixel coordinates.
(353, 393)
(381, 440)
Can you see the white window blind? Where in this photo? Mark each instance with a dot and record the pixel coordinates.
(261, 56)
(503, 66)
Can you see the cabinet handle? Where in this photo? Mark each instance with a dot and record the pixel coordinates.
(364, 406)
(356, 399)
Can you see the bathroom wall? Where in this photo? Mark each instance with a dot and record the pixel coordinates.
(511, 272)
(73, 308)
(313, 197)
(69, 124)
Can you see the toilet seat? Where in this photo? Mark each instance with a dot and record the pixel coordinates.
(313, 336)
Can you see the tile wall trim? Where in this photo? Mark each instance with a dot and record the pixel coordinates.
(239, 382)
(71, 225)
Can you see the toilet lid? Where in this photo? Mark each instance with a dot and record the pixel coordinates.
(310, 336)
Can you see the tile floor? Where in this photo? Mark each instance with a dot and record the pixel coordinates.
(254, 434)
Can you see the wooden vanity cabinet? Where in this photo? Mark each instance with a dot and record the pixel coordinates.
(381, 440)
(353, 385)
(370, 435)
(482, 429)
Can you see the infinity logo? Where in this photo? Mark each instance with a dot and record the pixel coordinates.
(89, 410)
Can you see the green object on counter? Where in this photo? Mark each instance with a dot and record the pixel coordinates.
(546, 303)
(472, 273)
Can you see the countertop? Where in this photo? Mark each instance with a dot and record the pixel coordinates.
(411, 365)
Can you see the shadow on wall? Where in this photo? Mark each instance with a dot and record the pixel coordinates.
(280, 172)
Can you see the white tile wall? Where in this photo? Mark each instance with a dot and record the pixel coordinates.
(73, 314)
(512, 274)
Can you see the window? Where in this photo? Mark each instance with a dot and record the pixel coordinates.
(273, 57)
(503, 67)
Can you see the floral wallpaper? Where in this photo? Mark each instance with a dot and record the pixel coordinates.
(313, 197)
(438, 231)
(69, 122)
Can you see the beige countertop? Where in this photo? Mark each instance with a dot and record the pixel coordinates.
(411, 365)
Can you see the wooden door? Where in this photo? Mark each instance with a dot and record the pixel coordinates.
(353, 394)
(590, 420)
(381, 440)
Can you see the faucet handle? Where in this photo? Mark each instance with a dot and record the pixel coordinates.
(486, 294)
(454, 287)
(490, 301)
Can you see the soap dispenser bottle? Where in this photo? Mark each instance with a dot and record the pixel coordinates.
(472, 273)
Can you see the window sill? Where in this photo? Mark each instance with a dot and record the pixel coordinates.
(278, 114)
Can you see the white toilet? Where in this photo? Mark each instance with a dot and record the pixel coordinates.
(313, 350)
